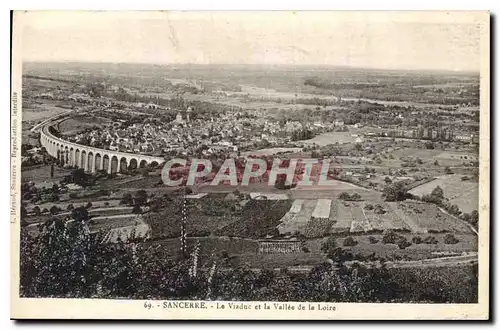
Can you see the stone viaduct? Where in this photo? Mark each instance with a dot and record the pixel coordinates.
(93, 159)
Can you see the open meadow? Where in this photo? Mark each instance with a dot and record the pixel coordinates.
(463, 193)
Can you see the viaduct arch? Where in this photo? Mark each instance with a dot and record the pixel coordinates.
(93, 159)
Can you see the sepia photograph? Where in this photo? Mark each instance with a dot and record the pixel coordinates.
(250, 165)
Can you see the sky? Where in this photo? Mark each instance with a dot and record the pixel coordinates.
(385, 40)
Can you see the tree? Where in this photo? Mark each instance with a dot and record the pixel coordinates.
(417, 240)
(80, 214)
(70, 207)
(54, 197)
(23, 212)
(355, 197)
(136, 209)
(349, 241)
(79, 177)
(474, 217)
(89, 205)
(37, 211)
(430, 240)
(344, 196)
(438, 192)
(391, 237)
(141, 197)
(403, 243)
(127, 199)
(447, 170)
(329, 245)
(54, 210)
(453, 209)
(395, 192)
(387, 180)
(450, 239)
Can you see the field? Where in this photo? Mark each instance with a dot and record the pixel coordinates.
(41, 174)
(362, 217)
(333, 191)
(297, 217)
(312, 218)
(217, 216)
(269, 151)
(444, 158)
(40, 112)
(77, 124)
(465, 194)
(331, 138)
(122, 234)
(466, 243)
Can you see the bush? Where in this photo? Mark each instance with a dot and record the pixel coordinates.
(329, 245)
(417, 240)
(70, 207)
(450, 239)
(127, 200)
(305, 249)
(395, 192)
(340, 255)
(391, 237)
(430, 240)
(80, 214)
(379, 209)
(372, 240)
(403, 243)
(37, 211)
(344, 196)
(355, 197)
(141, 197)
(349, 241)
(432, 199)
(369, 207)
(438, 192)
(136, 209)
(54, 209)
(89, 205)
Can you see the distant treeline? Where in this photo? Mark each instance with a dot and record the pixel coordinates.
(400, 92)
(175, 103)
(328, 85)
(48, 78)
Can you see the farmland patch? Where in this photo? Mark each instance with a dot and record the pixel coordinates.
(463, 193)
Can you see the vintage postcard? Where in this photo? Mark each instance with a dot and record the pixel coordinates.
(250, 165)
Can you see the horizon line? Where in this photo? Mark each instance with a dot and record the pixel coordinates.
(476, 72)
